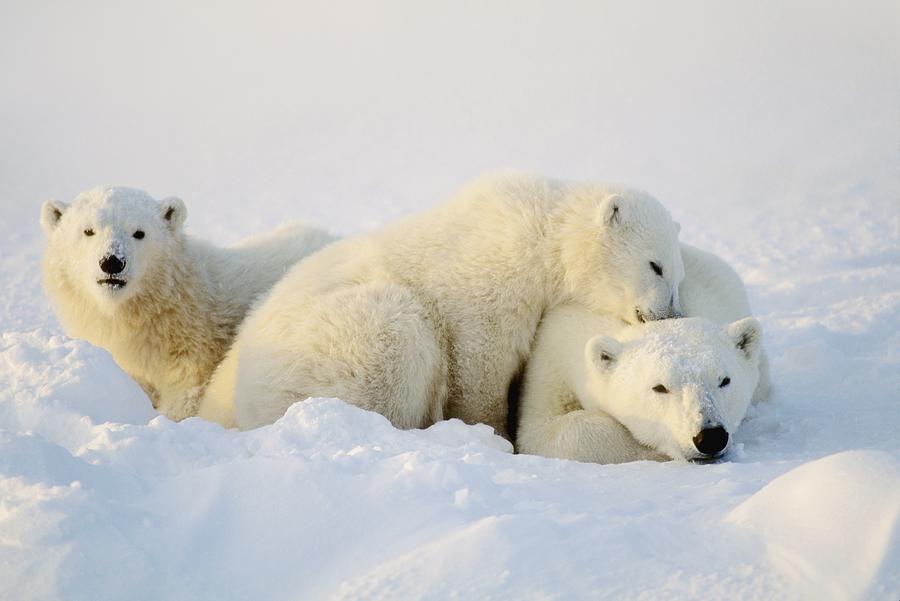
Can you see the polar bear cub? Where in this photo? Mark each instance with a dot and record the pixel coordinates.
(599, 390)
(123, 275)
(433, 316)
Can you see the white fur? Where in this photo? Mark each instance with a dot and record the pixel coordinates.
(588, 391)
(433, 316)
(712, 289)
(171, 323)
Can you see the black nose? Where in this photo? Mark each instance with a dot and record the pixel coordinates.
(112, 264)
(711, 440)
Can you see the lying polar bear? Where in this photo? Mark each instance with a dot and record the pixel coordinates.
(710, 289)
(123, 275)
(433, 316)
(599, 390)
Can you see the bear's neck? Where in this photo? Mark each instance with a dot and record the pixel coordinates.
(191, 296)
(558, 226)
(175, 290)
(175, 320)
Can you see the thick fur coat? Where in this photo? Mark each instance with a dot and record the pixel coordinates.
(565, 397)
(122, 274)
(433, 316)
(603, 391)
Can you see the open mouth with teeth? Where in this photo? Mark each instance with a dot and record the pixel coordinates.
(113, 283)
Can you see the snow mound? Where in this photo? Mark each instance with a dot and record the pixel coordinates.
(337, 485)
(830, 525)
(333, 502)
(60, 387)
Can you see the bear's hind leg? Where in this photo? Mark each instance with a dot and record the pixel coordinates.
(371, 345)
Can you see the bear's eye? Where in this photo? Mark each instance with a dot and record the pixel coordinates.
(725, 382)
(660, 389)
(89, 232)
(656, 268)
(139, 234)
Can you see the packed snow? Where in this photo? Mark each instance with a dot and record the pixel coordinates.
(769, 129)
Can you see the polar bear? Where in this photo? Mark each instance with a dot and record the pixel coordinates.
(599, 390)
(432, 317)
(123, 275)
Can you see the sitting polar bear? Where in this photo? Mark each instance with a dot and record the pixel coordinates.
(602, 391)
(433, 316)
(123, 275)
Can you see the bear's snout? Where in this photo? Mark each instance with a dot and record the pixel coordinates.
(669, 312)
(112, 264)
(711, 441)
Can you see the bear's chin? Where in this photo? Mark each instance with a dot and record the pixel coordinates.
(689, 457)
(109, 293)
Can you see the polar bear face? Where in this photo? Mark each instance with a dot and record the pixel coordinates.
(108, 240)
(680, 386)
(621, 256)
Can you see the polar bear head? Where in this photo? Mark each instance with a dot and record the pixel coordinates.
(621, 255)
(104, 247)
(681, 386)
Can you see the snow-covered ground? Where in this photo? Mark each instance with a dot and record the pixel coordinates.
(769, 128)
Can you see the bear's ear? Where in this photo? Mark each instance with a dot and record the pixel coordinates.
(602, 352)
(51, 212)
(173, 212)
(677, 227)
(613, 210)
(746, 335)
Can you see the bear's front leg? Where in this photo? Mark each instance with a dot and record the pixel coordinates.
(584, 435)
(180, 404)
